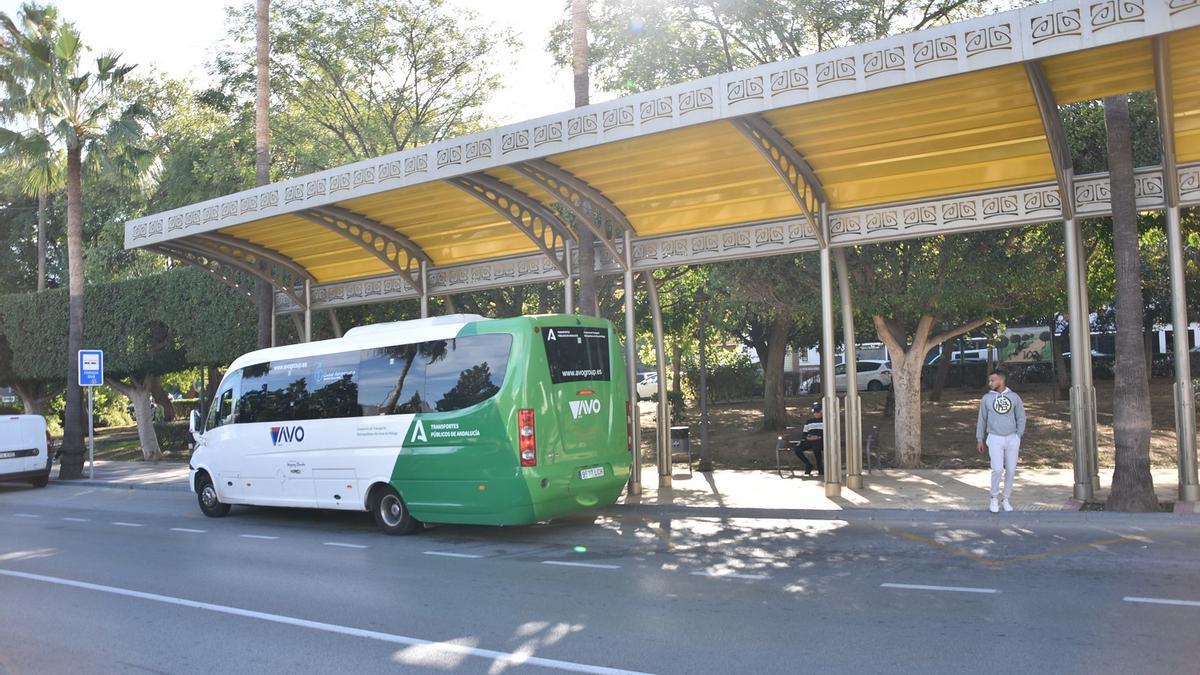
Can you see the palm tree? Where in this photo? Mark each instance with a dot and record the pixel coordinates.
(579, 64)
(38, 164)
(263, 292)
(44, 79)
(1132, 486)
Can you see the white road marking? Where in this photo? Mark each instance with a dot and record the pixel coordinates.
(187, 529)
(955, 589)
(448, 554)
(77, 520)
(121, 524)
(1164, 601)
(257, 536)
(445, 647)
(567, 563)
(26, 515)
(338, 543)
(731, 575)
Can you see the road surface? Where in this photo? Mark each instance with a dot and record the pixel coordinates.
(106, 580)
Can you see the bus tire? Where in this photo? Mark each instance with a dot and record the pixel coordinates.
(391, 513)
(206, 496)
(41, 481)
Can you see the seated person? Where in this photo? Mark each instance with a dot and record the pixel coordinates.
(812, 438)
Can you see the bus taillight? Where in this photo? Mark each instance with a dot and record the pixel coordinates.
(528, 436)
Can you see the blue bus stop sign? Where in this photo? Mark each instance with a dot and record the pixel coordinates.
(91, 367)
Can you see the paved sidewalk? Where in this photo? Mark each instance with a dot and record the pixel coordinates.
(133, 475)
(950, 493)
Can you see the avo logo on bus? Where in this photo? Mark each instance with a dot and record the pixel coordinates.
(287, 435)
(588, 407)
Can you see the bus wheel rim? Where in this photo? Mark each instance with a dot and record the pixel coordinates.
(209, 495)
(391, 510)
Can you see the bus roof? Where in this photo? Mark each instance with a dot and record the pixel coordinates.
(366, 337)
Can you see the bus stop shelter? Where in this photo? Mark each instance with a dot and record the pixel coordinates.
(946, 130)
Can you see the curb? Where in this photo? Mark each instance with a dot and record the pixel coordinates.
(913, 516)
(163, 487)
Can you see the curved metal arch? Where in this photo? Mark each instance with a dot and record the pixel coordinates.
(254, 254)
(218, 272)
(530, 216)
(1056, 138)
(204, 258)
(584, 202)
(791, 166)
(389, 246)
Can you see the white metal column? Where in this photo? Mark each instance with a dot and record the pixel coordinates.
(635, 468)
(1080, 343)
(568, 282)
(830, 408)
(663, 427)
(307, 310)
(424, 272)
(853, 428)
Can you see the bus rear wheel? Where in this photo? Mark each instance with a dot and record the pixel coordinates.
(206, 495)
(391, 513)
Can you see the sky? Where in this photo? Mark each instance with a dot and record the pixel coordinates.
(177, 37)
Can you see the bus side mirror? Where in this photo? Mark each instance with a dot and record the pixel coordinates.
(194, 423)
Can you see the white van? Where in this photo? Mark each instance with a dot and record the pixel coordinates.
(25, 449)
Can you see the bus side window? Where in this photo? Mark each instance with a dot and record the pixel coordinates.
(391, 381)
(222, 412)
(465, 371)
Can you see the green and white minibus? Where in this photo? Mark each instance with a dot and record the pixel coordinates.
(451, 419)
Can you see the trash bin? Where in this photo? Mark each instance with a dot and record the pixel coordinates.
(680, 442)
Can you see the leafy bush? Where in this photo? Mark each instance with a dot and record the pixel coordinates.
(173, 436)
(735, 381)
(678, 413)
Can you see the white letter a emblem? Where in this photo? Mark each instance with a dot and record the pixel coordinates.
(418, 433)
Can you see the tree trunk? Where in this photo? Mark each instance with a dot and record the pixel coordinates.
(943, 371)
(162, 398)
(1062, 372)
(73, 423)
(677, 367)
(334, 324)
(137, 390)
(212, 381)
(33, 397)
(263, 292)
(1132, 484)
(587, 241)
(42, 207)
(774, 410)
(906, 382)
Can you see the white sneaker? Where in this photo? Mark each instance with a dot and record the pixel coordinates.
(1006, 505)
(994, 507)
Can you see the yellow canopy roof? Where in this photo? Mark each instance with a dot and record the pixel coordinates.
(924, 116)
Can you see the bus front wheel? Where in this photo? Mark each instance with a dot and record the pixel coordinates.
(391, 513)
(206, 495)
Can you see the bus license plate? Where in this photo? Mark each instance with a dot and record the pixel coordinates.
(7, 455)
(594, 472)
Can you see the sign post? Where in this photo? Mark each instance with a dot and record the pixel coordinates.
(91, 375)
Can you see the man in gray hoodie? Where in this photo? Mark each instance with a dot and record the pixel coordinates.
(999, 431)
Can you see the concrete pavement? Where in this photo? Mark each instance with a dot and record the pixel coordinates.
(103, 580)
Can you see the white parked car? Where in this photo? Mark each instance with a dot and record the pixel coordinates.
(647, 384)
(25, 449)
(872, 376)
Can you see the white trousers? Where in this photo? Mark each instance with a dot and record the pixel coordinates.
(1003, 451)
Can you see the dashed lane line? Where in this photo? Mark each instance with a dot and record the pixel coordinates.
(449, 554)
(1163, 601)
(568, 563)
(26, 515)
(257, 536)
(344, 545)
(119, 523)
(426, 646)
(951, 589)
(76, 520)
(188, 529)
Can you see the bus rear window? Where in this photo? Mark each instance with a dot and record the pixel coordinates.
(576, 353)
